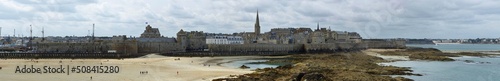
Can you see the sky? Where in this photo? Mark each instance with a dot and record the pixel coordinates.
(370, 18)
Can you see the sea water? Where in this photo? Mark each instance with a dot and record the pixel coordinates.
(459, 47)
(481, 69)
(249, 63)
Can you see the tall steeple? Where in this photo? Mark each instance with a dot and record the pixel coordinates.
(317, 27)
(31, 33)
(43, 34)
(257, 25)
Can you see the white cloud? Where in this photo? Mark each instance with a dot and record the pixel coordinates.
(372, 19)
(16, 6)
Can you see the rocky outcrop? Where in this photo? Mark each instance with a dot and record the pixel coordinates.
(328, 67)
(421, 54)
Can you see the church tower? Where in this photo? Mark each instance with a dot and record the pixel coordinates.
(257, 25)
(317, 27)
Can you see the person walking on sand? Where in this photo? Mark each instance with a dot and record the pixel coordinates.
(177, 72)
(90, 77)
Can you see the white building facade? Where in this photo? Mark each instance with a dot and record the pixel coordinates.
(224, 40)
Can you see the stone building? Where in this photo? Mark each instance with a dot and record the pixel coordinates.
(354, 37)
(342, 36)
(248, 37)
(151, 32)
(152, 42)
(192, 41)
(319, 36)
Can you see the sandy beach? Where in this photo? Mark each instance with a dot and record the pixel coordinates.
(153, 68)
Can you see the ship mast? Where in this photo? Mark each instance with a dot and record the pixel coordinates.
(93, 29)
(43, 34)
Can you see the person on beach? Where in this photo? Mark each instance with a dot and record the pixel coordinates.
(177, 72)
(90, 77)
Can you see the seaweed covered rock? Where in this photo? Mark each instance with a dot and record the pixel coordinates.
(416, 53)
(314, 77)
(244, 67)
(288, 66)
(352, 66)
(413, 49)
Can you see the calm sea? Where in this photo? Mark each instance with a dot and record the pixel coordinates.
(482, 69)
(460, 47)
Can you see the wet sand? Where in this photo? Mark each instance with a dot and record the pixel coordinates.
(158, 68)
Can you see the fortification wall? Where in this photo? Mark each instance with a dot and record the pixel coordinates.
(134, 48)
(255, 48)
(328, 47)
(126, 47)
(95, 47)
(159, 47)
(332, 47)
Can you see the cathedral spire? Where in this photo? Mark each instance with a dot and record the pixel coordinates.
(317, 26)
(257, 18)
(257, 24)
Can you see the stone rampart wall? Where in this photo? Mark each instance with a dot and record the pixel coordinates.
(255, 48)
(159, 47)
(71, 47)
